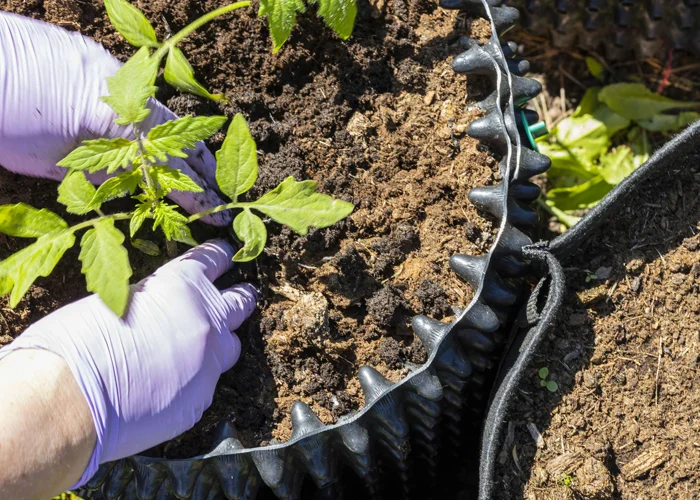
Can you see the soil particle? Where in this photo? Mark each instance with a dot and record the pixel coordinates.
(363, 118)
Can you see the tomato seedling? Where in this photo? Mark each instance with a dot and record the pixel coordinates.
(140, 165)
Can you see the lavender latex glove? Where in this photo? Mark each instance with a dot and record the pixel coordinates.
(148, 377)
(52, 81)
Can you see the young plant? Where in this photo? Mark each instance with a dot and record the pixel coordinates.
(604, 141)
(551, 385)
(140, 165)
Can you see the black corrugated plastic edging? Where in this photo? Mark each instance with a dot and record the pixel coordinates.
(648, 28)
(428, 411)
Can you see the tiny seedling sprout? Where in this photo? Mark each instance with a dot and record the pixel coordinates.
(551, 385)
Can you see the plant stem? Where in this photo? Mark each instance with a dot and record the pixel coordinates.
(220, 208)
(187, 30)
(92, 222)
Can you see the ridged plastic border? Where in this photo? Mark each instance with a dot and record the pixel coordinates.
(647, 28)
(399, 415)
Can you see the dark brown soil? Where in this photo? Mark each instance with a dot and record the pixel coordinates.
(626, 356)
(371, 121)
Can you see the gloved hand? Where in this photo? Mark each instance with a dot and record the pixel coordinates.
(147, 377)
(52, 81)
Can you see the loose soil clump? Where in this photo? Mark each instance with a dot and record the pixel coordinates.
(379, 121)
(626, 355)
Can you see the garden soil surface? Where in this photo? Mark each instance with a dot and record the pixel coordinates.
(625, 353)
(378, 121)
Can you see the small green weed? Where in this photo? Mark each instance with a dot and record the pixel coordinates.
(551, 385)
(565, 480)
(604, 141)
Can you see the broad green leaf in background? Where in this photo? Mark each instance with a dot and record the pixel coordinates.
(131, 23)
(339, 15)
(636, 102)
(543, 372)
(595, 68)
(24, 221)
(669, 123)
(117, 186)
(173, 223)
(577, 143)
(589, 103)
(616, 165)
(251, 230)
(21, 269)
(76, 193)
(173, 180)
(563, 217)
(581, 196)
(613, 121)
(299, 206)
(94, 155)
(139, 215)
(146, 246)
(173, 136)
(179, 73)
(638, 140)
(281, 16)
(131, 86)
(237, 160)
(106, 264)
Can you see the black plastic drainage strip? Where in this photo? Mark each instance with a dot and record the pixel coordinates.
(540, 313)
(429, 406)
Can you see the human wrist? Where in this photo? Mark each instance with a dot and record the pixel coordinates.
(44, 409)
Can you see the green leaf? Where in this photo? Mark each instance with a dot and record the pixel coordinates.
(21, 269)
(563, 217)
(612, 121)
(174, 224)
(131, 23)
(577, 143)
(281, 16)
(617, 165)
(173, 136)
(131, 86)
(589, 103)
(237, 160)
(543, 373)
(146, 246)
(251, 229)
(24, 221)
(94, 155)
(106, 264)
(76, 193)
(636, 102)
(552, 386)
(639, 142)
(543, 383)
(339, 15)
(595, 68)
(578, 197)
(173, 180)
(299, 206)
(179, 74)
(117, 186)
(139, 215)
(669, 123)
